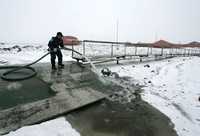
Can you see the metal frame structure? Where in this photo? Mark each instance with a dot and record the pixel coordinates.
(103, 51)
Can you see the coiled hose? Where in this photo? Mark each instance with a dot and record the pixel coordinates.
(33, 73)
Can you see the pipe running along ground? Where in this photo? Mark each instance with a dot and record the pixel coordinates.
(33, 73)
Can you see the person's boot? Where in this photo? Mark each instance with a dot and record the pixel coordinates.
(61, 66)
(54, 67)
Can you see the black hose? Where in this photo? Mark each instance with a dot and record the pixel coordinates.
(4, 76)
(33, 73)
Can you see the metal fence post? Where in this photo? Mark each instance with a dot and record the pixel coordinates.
(72, 50)
(184, 52)
(135, 50)
(112, 50)
(147, 51)
(125, 50)
(171, 51)
(162, 52)
(84, 48)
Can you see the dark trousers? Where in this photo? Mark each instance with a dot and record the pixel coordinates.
(53, 57)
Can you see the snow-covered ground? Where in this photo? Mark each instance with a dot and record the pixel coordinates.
(172, 86)
(11, 54)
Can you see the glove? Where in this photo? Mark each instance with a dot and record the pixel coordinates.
(55, 50)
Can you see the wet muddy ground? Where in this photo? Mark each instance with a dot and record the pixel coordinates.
(123, 113)
(108, 118)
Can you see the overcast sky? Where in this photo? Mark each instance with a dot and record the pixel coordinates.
(139, 20)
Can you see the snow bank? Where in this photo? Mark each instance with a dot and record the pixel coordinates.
(173, 87)
(10, 55)
(56, 127)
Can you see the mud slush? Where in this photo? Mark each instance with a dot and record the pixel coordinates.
(59, 71)
(56, 71)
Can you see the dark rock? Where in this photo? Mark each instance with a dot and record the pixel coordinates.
(115, 74)
(106, 72)
(147, 65)
(6, 49)
(28, 46)
(17, 47)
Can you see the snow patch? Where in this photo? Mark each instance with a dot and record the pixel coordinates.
(56, 127)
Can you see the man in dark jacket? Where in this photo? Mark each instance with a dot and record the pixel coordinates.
(54, 46)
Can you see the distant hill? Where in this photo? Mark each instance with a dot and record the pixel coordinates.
(166, 44)
(193, 44)
(162, 44)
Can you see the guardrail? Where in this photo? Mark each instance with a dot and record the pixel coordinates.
(103, 51)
